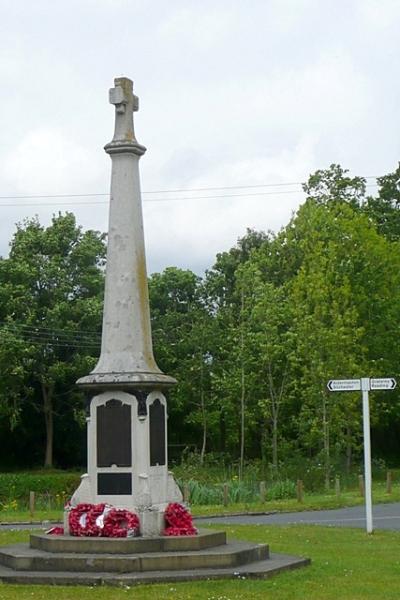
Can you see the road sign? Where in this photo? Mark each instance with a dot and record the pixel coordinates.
(344, 385)
(383, 384)
(365, 384)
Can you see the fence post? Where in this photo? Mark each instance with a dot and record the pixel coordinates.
(361, 485)
(262, 492)
(337, 487)
(31, 503)
(226, 494)
(300, 490)
(389, 482)
(186, 493)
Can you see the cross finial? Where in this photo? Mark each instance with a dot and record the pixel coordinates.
(122, 95)
(125, 103)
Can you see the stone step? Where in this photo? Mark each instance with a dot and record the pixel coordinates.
(260, 569)
(97, 545)
(21, 557)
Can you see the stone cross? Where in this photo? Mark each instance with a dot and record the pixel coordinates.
(125, 103)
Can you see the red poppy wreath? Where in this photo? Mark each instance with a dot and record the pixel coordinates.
(102, 520)
(178, 520)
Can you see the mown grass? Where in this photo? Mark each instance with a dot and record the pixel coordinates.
(346, 564)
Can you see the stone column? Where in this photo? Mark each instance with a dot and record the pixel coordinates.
(127, 440)
(126, 347)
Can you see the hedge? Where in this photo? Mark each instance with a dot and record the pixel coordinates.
(16, 486)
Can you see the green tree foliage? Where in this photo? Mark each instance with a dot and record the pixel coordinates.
(182, 331)
(50, 309)
(384, 209)
(252, 344)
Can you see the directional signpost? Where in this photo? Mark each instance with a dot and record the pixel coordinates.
(344, 385)
(383, 384)
(365, 384)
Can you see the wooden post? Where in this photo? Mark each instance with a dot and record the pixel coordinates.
(262, 492)
(186, 493)
(361, 485)
(389, 482)
(300, 490)
(31, 503)
(226, 494)
(337, 487)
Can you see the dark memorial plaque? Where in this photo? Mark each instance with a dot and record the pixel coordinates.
(157, 433)
(114, 438)
(115, 484)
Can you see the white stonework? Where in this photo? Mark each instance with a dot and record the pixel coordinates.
(126, 375)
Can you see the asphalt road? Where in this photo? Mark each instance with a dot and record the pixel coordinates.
(385, 516)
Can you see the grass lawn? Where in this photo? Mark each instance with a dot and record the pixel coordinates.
(347, 565)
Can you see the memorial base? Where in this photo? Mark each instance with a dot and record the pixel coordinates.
(67, 560)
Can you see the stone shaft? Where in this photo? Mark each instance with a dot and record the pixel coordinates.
(126, 348)
(126, 338)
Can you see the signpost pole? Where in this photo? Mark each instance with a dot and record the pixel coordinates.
(365, 384)
(367, 454)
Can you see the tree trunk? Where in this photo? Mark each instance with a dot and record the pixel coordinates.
(47, 396)
(222, 431)
(242, 391)
(275, 442)
(242, 419)
(349, 450)
(263, 443)
(276, 399)
(204, 421)
(325, 430)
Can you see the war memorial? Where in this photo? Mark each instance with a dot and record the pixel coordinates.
(127, 469)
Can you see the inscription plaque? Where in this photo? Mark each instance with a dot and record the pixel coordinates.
(114, 443)
(114, 484)
(157, 433)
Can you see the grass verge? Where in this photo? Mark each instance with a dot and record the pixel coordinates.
(346, 564)
(311, 502)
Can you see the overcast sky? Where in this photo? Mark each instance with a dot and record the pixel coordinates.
(232, 94)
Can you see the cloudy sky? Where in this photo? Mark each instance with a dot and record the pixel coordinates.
(234, 95)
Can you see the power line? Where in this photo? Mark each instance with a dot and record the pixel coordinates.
(163, 199)
(52, 329)
(54, 340)
(58, 344)
(212, 197)
(53, 336)
(236, 187)
(178, 190)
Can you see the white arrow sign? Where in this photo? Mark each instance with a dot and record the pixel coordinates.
(344, 385)
(383, 384)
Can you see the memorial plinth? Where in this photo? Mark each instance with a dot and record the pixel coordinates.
(127, 421)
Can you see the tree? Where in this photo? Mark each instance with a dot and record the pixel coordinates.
(182, 329)
(385, 208)
(334, 185)
(230, 297)
(343, 297)
(50, 303)
(273, 337)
